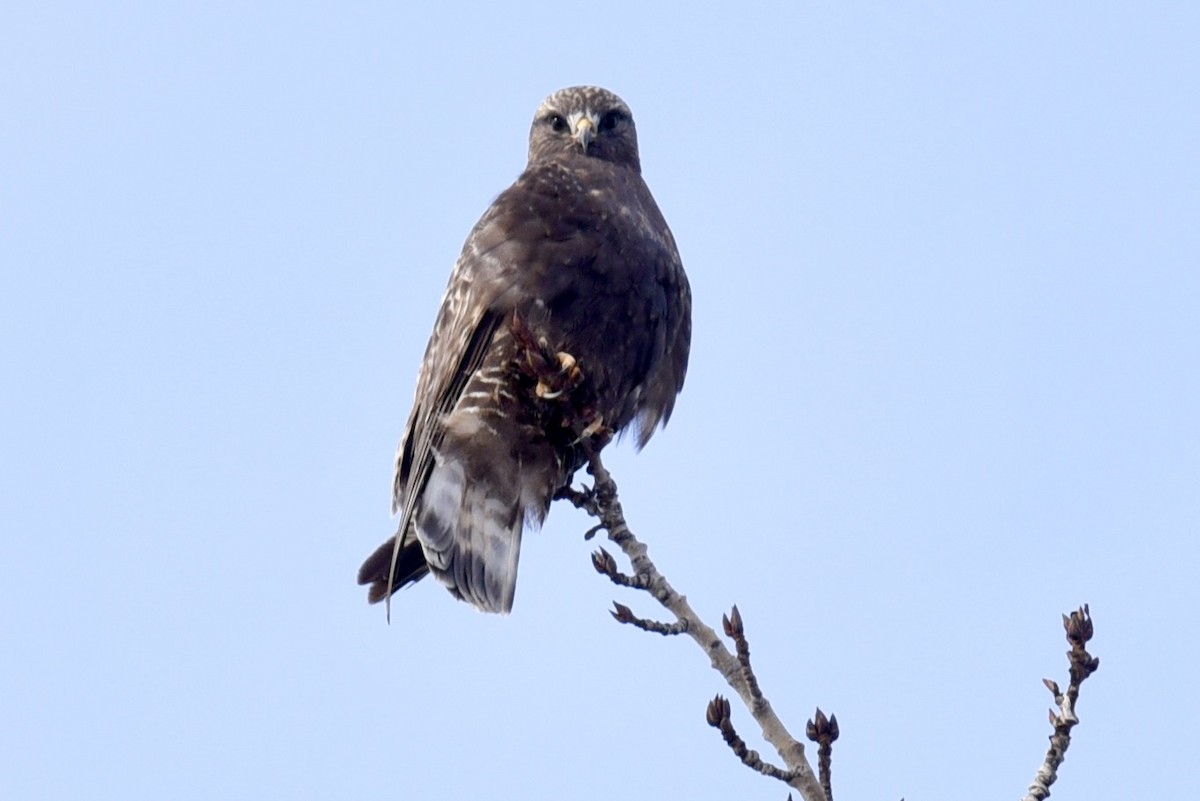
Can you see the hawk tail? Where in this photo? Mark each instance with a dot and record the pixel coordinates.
(410, 567)
(470, 526)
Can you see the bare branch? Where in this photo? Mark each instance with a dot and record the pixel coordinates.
(823, 731)
(718, 717)
(1078, 626)
(602, 503)
(735, 630)
(604, 563)
(624, 614)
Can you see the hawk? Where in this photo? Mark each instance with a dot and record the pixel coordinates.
(567, 317)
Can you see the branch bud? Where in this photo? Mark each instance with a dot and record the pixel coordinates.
(717, 712)
(604, 563)
(733, 623)
(822, 727)
(622, 613)
(1079, 626)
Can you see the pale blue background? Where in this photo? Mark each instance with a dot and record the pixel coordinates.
(945, 385)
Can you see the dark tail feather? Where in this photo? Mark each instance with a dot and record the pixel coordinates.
(410, 567)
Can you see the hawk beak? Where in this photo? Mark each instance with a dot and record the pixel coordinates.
(585, 132)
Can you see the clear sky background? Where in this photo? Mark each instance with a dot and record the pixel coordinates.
(945, 386)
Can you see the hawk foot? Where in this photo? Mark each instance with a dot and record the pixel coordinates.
(594, 428)
(552, 385)
(594, 435)
(557, 373)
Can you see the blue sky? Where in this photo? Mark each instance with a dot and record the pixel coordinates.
(945, 386)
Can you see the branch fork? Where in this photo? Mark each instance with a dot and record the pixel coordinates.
(601, 502)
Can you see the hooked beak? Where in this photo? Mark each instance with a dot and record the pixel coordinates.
(584, 132)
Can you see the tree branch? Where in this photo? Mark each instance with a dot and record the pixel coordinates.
(602, 503)
(1078, 626)
(823, 731)
(717, 715)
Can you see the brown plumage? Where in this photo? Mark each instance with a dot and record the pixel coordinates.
(575, 257)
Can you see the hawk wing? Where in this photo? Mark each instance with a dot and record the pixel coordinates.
(461, 339)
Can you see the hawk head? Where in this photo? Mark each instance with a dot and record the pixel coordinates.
(584, 120)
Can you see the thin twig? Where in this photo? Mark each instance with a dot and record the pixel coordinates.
(623, 614)
(736, 631)
(1079, 630)
(823, 731)
(604, 563)
(602, 503)
(718, 717)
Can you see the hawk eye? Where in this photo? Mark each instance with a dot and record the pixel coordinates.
(557, 122)
(610, 120)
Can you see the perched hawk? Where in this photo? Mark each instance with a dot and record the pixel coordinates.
(574, 260)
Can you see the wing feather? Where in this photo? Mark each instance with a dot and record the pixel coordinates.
(424, 433)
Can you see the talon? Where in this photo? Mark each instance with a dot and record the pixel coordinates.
(593, 428)
(553, 385)
(542, 390)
